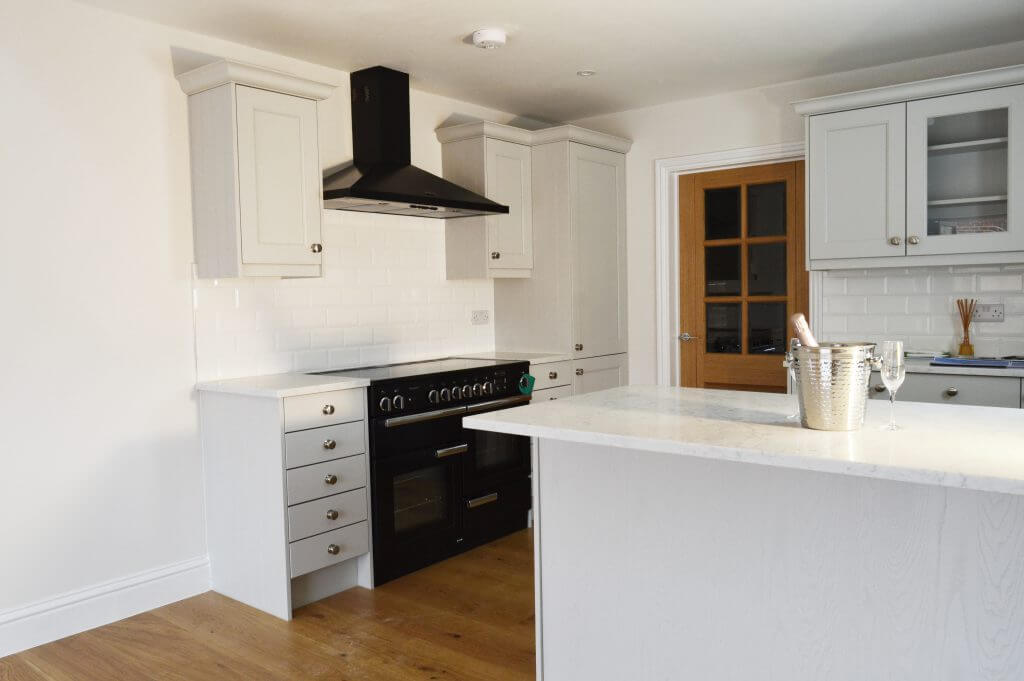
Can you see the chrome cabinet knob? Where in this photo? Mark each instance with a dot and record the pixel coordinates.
(331, 479)
(384, 404)
(495, 255)
(913, 240)
(332, 514)
(398, 402)
(328, 409)
(952, 392)
(895, 241)
(579, 346)
(879, 388)
(333, 549)
(579, 372)
(552, 375)
(316, 248)
(330, 444)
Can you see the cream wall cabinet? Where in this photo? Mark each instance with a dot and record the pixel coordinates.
(486, 159)
(926, 173)
(256, 177)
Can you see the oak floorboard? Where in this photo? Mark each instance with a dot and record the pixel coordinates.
(469, 618)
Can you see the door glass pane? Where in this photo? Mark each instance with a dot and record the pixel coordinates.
(766, 209)
(767, 328)
(722, 213)
(967, 173)
(767, 275)
(722, 271)
(723, 327)
(421, 498)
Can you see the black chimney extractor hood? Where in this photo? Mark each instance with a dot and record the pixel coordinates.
(381, 178)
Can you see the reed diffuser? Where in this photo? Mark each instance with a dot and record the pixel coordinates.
(966, 308)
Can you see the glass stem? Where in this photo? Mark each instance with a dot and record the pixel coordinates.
(892, 409)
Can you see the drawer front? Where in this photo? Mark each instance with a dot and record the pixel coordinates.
(329, 513)
(312, 482)
(323, 409)
(552, 393)
(551, 375)
(984, 391)
(304, 447)
(314, 553)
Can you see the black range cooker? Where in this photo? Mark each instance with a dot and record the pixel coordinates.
(438, 489)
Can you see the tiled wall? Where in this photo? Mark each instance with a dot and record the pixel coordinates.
(917, 305)
(383, 298)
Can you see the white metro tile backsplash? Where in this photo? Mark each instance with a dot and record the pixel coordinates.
(382, 298)
(916, 305)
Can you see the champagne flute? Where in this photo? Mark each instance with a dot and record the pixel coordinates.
(793, 345)
(894, 370)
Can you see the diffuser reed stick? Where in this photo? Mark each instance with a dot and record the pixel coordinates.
(966, 308)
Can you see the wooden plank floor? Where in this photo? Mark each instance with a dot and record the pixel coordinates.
(468, 618)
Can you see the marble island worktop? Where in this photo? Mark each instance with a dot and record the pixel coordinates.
(978, 448)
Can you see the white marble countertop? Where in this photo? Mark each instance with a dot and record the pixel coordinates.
(531, 357)
(979, 448)
(923, 366)
(282, 385)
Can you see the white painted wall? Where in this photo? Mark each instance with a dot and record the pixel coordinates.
(730, 121)
(101, 470)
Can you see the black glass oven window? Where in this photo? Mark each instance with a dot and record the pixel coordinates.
(421, 498)
(496, 451)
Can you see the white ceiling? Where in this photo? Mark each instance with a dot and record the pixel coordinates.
(645, 51)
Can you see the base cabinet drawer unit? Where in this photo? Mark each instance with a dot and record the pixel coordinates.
(288, 515)
(552, 393)
(551, 375)
(599, 373)
(982, 391)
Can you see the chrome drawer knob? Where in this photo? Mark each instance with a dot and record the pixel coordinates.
(495, 255)
(328, 409)
(331, 479)
(333, 549)
(579, 372)
(952, 392)
(895, 241)
(579, 346)
(879, 388)
(332, 514)
(913, 240)
(316, 248)
(552, 375)
(330, 444)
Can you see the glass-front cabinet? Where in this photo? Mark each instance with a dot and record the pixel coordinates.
(965, 156)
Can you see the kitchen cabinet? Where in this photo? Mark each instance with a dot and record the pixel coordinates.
(984, 391)
(923, 173)
(256, 176)
(492, 160)
(599, 373)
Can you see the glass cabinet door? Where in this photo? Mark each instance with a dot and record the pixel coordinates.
(964, 157)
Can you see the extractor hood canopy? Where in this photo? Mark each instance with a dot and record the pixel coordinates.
(381, 178)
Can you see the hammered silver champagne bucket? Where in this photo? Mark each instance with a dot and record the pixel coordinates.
(832, 383)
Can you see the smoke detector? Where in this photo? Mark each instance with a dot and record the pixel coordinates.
(489, 38)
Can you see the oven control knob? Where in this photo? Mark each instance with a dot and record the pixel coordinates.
(385, 404)
(398, 402)
(467, 391)
(478, 390)
(433, 397)
(488, 388)
(446, 395)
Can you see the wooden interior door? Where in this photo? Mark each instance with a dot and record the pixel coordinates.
(741, 274)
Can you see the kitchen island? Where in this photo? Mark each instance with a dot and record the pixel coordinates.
(700, 534)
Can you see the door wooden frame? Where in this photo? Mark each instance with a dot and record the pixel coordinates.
(666, 245)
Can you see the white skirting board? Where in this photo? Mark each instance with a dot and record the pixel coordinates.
(77, 611)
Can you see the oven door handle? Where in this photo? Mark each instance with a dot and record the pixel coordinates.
(497, 404)
(396, 421)
(451, 451)
(481, 501)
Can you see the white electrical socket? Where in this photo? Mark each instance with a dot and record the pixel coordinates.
(989, 312)
(479, 317)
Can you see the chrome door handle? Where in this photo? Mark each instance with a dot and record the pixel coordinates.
(451, 451)
(687, 337)
(316, 248)
(480, 501)
(495, 255)
(579, 347)
(914, 240)
(579, 372)
(952, 392)
(552, 375)
(895, 241)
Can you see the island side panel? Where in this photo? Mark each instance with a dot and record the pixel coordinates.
(661, 566)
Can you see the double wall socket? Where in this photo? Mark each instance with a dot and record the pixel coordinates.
(989, 312)
(479, 317)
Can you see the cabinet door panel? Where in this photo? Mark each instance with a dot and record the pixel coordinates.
(279, 181)
(965, 157)
(599, 373)
(856, 183)
(597, 193)
(508, 183)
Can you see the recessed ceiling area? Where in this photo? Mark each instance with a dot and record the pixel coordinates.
(644, 52)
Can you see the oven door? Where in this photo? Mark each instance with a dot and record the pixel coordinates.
(416, 510)
(494, 458)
